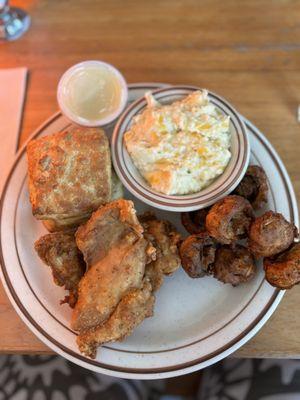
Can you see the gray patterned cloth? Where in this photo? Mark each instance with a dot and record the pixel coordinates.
(53, 378)
(251, 379)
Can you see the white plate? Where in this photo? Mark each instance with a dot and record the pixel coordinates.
(196, 322)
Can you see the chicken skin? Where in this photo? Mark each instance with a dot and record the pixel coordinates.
(138, 304)
(129, 313)
(59, 251)
(116, 254)
(126, 264)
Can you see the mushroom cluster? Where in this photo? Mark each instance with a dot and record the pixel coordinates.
(214, 247)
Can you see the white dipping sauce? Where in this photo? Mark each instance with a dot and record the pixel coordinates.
(92, 93)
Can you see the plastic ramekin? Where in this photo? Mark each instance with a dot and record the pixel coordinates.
(83, 121)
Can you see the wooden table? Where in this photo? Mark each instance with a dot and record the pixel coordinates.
(249, 52)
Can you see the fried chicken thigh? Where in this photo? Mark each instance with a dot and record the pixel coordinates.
(116, 253)
(126, 265)
(138, 304)
(129, 313)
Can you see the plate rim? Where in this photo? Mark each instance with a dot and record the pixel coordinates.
(178, 370)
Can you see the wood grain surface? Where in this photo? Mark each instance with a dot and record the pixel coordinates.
(247, 51)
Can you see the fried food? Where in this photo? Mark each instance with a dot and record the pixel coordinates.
(194, 221)
(132, 309)
(254, 187)
(125, 267)
(60, 253)
(270, 234)
(197, 254)
(69, 174)
(165, 238)
(116, 253)
(234, 264)
(229, 219)
(283, 270)
(115, 295)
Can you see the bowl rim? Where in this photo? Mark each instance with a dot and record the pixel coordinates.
(191, 201)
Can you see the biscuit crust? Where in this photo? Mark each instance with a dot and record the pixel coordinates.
(69, 173)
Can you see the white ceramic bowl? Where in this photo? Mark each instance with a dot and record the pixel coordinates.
(220, 187)
(78, 119)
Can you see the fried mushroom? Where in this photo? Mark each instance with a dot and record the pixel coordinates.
(234, 265)
(270, 234)
(254, 186)
(197, 253)
(283, 270)
(229, 219)
(194, 221)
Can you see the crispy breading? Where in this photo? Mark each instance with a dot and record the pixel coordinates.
(229, 219)
(270, 234)
(60, 253)
(164, 237)
(132, 309)
(254, 186)
(283, 270)
(233, 264)
(194, 221)
(116, 253)
(197, 254)
(106, 227)
(117, 292)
